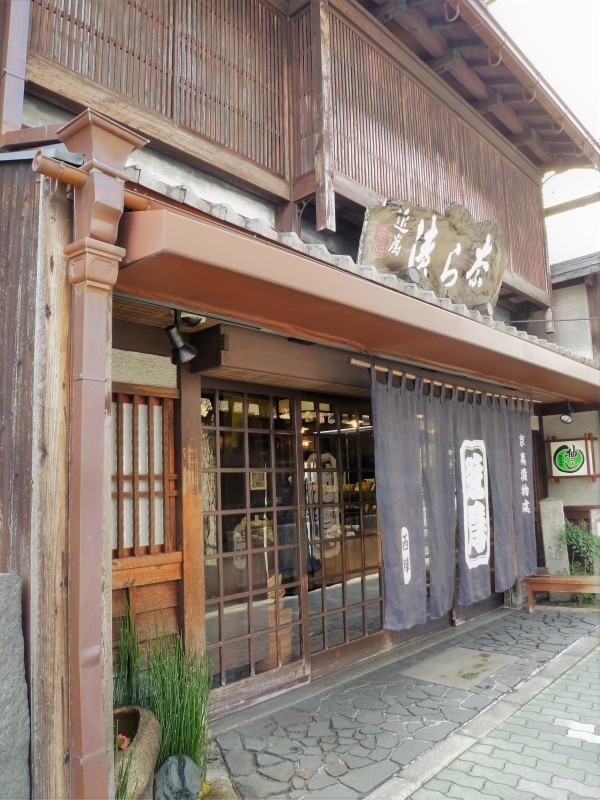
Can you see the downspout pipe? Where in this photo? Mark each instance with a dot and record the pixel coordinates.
(93, 264)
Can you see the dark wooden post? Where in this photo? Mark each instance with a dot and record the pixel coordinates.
(323, 114)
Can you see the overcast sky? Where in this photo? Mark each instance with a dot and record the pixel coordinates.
(561, 38)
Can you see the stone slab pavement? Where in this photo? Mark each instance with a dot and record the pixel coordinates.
(374, 731)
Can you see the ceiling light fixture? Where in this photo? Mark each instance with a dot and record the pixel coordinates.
(181, 352)
(567, 417)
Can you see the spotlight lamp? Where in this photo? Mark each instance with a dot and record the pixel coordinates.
(181, 352)
(567, 417)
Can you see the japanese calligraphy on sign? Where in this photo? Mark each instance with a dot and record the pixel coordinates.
(569, 458)
(405, 545)
(455, 256)
(476, 512)
(523, 466)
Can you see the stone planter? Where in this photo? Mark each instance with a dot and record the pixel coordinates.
(143, 731)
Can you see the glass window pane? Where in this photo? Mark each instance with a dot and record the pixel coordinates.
(207, 408)
(259, 450)
(231, 410)
(284, 451)
(265, 652)
(263, 570)
(372, 551)
(209, 491)
(234, 533)
(367, 453)
(262, 530)
(335, 630)
(372, 584)
(211, 539)
(289, 571)
(212, 583)
(287, 530)
(331, 519)
(233, 490)
(353, 553)
(213, 634)
(296, 643)
(334, 596)
(349, 448)
(236, 659)
(316, 635)
(261, 495)
(356, 628)
(330, 486)
(235, 574)
(215, 657)
(329, 443)
(374, 618)
(232, 446)
(258, 412)
(263, 612)
(285, 489)
(283, 414)
(235, 619)
(354, 590)
(369, 521)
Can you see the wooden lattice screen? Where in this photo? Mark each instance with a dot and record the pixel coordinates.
(144, 481)
(147, 559)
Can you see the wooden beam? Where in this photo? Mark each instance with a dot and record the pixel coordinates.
(525, 289)
(49, 79)
(593, 297)
(579, 202)
(323, 114)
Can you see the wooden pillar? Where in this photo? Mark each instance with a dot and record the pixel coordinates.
(323, 114)
(592, 284)
(190, 503)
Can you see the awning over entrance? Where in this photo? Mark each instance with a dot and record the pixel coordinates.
(197, 263)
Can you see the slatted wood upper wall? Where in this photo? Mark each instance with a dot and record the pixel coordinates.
(394, 137)
(126, 45)
(302, 94)
(231, 77)
(214, 67)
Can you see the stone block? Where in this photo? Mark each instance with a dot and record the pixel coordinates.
(14, 724)
(553, 524)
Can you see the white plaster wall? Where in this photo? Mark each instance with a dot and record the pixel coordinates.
(143, 369)
(575, 491)
(568, 303)
(167, 169)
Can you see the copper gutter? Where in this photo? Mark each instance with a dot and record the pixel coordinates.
(479, 19)
(200, 264)
(93, 262)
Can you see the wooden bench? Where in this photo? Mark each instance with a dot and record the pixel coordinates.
(576, 584)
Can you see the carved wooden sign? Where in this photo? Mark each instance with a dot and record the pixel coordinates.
(449, 253)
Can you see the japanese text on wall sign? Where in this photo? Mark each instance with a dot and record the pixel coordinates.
(454, 256)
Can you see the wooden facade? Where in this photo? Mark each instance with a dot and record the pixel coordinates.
(314, 99)
(328, 104)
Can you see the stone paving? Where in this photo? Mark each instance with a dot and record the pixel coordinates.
(348, 739)
(547, 750)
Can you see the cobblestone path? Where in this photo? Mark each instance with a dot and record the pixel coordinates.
(345, 741)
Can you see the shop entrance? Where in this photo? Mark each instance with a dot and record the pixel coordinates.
(291, 547)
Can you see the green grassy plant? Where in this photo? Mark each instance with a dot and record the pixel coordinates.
(173, 684)
(583, 548)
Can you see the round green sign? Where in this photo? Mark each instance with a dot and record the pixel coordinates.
(568, 458)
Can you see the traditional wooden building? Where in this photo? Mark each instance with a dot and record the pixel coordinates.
(215, 159)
